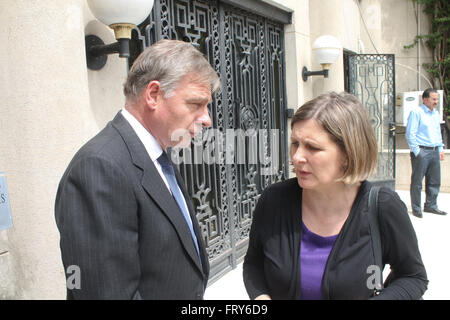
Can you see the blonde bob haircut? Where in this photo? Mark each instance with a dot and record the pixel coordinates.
(343, 116)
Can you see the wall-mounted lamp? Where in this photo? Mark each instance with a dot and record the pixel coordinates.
(326, 49)
(120, 15)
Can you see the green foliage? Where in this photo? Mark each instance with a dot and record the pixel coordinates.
(439, 41)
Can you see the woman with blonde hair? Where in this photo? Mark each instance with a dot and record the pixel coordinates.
(310, 236)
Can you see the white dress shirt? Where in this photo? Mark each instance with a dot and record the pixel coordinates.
(152, 146)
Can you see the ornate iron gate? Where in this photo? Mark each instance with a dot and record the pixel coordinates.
(249, 113)
(372, 80)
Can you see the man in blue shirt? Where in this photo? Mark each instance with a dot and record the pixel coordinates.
(423, 133)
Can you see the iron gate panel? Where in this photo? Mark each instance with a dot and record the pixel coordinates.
(372, 80)
(248, 117)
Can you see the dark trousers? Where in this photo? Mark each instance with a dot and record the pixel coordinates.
(427, 165)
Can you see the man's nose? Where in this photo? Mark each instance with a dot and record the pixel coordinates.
(205, 119)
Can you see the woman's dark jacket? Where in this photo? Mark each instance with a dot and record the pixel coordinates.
(272, 264)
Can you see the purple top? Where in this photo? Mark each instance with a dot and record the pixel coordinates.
(314, 254)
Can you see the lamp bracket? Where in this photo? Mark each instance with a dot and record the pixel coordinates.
(97, 51)
(306, 73)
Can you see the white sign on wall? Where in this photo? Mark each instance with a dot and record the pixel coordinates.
(5, 208)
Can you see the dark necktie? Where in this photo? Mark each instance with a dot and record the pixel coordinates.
(169, 173)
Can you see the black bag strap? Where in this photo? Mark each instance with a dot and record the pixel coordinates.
(375, 232)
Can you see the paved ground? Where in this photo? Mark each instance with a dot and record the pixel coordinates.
(433, 233)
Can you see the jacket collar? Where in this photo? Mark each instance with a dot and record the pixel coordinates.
(362, 193)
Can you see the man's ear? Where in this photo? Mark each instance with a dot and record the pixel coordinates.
(152, 94)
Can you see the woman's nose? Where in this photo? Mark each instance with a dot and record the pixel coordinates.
(298, 156)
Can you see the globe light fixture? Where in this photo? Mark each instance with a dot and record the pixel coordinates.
(326, 50)
(120, 15)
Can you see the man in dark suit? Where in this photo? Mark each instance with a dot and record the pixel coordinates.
(125, 219)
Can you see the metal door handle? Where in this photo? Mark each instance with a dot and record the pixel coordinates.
(392, 128)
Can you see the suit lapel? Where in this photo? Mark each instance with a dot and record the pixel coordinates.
(155, 187)
(195, 224)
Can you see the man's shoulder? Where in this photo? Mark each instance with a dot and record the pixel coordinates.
(106, 144)
(415, 113)
(418, 109)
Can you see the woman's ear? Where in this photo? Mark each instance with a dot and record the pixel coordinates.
(345, 164)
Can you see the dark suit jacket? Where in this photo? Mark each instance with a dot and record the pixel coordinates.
(120, 225)
(272, 264)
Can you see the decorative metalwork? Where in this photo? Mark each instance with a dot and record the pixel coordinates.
(248, 143)
(372, 80)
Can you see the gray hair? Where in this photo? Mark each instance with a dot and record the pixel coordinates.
(169, 61)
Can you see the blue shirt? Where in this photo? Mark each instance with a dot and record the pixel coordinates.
(423, 129)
